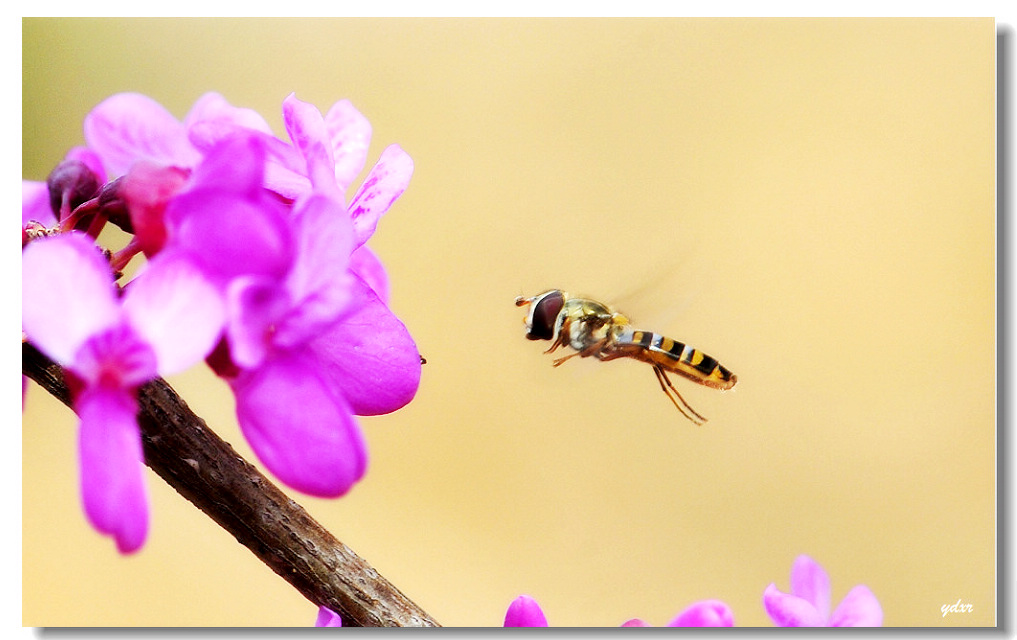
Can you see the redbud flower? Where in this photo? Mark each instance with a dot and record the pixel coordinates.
(706, 613)
(524, 612)
(328, 618)
(808, 604)
(306, 340)
(167, 319)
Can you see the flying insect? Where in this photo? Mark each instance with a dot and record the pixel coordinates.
(592, 328)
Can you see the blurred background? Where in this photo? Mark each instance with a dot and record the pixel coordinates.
(809, 201)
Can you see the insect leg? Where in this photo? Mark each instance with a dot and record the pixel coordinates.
(558, 361)
(554, 345)
(665, 384)
(594, 348)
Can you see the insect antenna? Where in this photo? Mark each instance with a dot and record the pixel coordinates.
(665, 384)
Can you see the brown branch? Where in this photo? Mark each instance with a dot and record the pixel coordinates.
(207, 471)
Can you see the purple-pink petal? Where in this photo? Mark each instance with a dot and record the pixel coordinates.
(179, 314)
(368, 267)
(324, 239)
(299, 427)
(524, 612)
(328, 618)
(369, 355)
(788, 610)
(383, 186)
(350, 133)
(112, 477)
(810, 582)
(234, 166)
(306, 129)
(706, 613)
(226, 222)
(67, 294)
(859, 608)
(636, 622)
(35, 204)
(128, 127)
(255, 305)
(117, 356)
(212, 119)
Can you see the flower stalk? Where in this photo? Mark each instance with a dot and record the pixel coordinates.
(203, 468)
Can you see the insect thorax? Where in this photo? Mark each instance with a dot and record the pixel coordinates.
(586, 323)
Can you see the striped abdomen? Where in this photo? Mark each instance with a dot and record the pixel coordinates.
(674, 356)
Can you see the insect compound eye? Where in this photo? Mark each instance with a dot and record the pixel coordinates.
(543, 313)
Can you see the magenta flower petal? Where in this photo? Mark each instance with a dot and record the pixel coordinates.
(319, 279)
(299, 427)
(383, 186)
(368, 267)
(788, 610)
(226, 222)
(859, 608)
(809, 602)
(350, 133)
(328, 618)
(235, 166)
(35, 204)
(255, 304)
(112, 477)
(67, 294)
(707, 613)
(810, 582)
(370, 356)
(178, 313)
(524, 612)
(636, 622)
(213, 118)
(128, 127)
(306, 128)
(117, 356)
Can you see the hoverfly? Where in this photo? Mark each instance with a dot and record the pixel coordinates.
(592, 328)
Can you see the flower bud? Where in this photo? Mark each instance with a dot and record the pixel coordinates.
(70, 184)
(113, 205)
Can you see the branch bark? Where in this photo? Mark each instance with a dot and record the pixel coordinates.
(207, 471)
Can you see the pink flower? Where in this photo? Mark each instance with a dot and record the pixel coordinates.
(706, 613)
(166, 320)
(524, 612)
(328, 618)
(130, 128)
(308, 344)
(808, 604)
(270, 260)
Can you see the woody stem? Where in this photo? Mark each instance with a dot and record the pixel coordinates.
(184, 452)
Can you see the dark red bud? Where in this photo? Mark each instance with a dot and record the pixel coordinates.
(113, 206)
(70, 184)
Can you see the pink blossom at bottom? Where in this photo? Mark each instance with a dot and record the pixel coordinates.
(808, 604)
(524, 612)
(706, 613)
(328, 618)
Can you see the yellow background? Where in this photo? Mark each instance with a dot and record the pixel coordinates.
(809, 201)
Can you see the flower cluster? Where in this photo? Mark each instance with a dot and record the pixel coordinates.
(808, 605)
(256, 263)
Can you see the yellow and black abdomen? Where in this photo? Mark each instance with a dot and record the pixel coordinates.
(676, 357)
